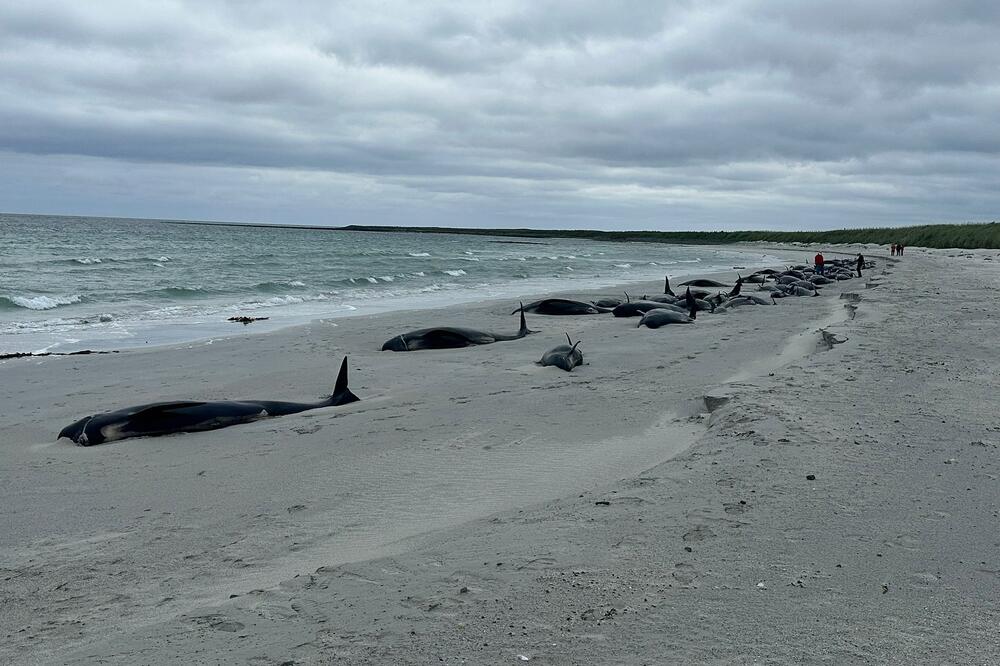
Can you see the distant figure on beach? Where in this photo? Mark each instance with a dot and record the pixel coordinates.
(861, 263)
(892, 250)
(819, 263)
(899, 250)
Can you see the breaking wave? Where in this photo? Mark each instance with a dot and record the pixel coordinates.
(38, 302)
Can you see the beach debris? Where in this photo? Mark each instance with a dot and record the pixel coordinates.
(761, 586)
(247, 320)
(885, 588)
(4, 357)
(810, 477)
(602, 503)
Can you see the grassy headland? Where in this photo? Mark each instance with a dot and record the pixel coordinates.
(931, 235)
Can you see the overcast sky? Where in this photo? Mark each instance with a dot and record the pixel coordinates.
(581, 114)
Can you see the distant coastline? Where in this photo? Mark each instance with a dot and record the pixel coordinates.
(967, 236)
(975, 235)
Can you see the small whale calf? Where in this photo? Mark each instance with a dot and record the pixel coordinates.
(450, 337)
(167, 418)
(565, 357)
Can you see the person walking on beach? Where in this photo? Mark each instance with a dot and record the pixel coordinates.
(899, 250)
(861, 263)
(819, 263)
(892, 250)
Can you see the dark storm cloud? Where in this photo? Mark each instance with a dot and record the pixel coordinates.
(634, 114)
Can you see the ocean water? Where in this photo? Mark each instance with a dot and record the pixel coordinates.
(91, 283)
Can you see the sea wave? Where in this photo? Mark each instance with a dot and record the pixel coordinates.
(285, 299)
(419, 254)
(455, 273)
(271, 286)
(90, 261)
(180, 292)
(39, 302)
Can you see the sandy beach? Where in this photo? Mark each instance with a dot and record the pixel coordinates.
(823, 504)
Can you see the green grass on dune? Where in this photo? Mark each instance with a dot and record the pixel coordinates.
(931, 235)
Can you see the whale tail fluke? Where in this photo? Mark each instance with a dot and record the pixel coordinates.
(569, 340)
(341, 393)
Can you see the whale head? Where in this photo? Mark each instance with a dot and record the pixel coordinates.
(77, 433)
(397, 343)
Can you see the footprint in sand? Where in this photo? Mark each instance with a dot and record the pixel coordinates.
(219, 623)
(685, 574)
(698, 533)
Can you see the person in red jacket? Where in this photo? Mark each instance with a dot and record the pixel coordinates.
(819, 263)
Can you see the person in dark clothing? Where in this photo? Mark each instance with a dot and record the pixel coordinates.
(861, 263)
(899, 250)
(819, 263)
(892, 250)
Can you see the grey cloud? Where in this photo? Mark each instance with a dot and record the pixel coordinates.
(625, 114)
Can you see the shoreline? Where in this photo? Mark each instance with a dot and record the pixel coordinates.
(470, 490)
(276, 324)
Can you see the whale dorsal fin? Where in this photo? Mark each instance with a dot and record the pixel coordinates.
(341, 393)
(341, 384)
(523, 331)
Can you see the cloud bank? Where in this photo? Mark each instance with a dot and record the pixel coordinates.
(628, 115)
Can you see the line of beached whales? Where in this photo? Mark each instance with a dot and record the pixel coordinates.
(164, 418)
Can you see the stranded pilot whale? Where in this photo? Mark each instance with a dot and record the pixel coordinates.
(562, 306)
(448, 337)
(165, 418)
(566, 357)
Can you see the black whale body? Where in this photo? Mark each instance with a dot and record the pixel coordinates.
(166, 418)
(449, 337)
